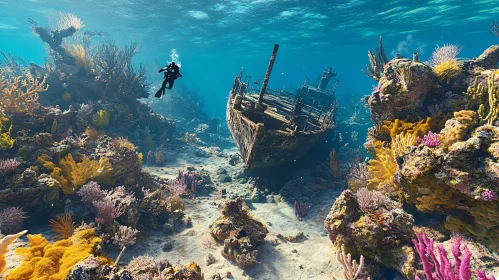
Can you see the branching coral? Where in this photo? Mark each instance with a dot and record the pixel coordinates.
(125, 236)
(351, 270)
(484, 101)
(20, 94)
(115, 67)
(54, 261)
(444, 270)
(73, 175)
(377, 61)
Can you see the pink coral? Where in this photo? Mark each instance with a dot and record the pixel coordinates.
(443, 267)
(369, 200)
(431, 140)
(108, 211)
(8, 165)
(489, 195)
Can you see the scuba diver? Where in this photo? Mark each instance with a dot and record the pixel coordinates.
(171, 74)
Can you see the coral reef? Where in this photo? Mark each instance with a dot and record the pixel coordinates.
(56, 260)
(382, 234)
(239, 232)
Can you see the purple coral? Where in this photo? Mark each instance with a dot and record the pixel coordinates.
(301, 210)
(489, 195)
(482, 276)
(8, 165)
(108, 211)
(431, 140)
(443, 267)
(11, 220)
(91, 192)
(369, 200)
(188, 179)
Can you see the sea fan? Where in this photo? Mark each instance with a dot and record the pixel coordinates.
(63, 226)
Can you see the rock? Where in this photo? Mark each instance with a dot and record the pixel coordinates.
(221, 170)
(270, 198)
(295, 238)
(224, 178)
(88, 269)
(167, 246)
(240, 233)
(209, 259)
(216, 277)
(168, 228)
(399, 94)
(256, 196)
(382, 233)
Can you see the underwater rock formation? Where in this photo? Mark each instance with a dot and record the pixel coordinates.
(239, 232)
(453, 168)
(381, 232)
(459, 183)
(402, 90)
(146, 267)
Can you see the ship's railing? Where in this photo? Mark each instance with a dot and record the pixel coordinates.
(320, 117)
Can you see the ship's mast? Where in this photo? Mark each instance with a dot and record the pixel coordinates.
(267, 75)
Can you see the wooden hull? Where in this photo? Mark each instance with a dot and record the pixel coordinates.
(261, 147)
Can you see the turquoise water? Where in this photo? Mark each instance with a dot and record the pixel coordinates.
(214, 39)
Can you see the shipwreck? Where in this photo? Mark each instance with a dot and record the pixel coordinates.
(276, 126)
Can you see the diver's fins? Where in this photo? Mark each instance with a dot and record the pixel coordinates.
(159, 92)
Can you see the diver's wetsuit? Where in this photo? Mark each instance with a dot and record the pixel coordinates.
(171, 74)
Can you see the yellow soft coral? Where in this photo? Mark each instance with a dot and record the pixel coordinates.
(396, 127)
(101, 118)
(20, 94)
(72, 175)
(54, 261)
(382, 168)
(6, 142)
(81, 56)
(447, 70)
(401, 142)
(4, 244)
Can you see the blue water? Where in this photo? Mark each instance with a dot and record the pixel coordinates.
(214, 39)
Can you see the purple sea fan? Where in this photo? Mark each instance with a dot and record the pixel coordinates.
(11, 220)
(489, 195)
(431, 140)
(91, 192)
(8, 165)
(301, 210)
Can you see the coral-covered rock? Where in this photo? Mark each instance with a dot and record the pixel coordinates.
(453, 182)
(402, 90)
(382, 234)
(239, 232)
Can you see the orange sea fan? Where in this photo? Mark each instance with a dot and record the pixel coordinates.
(63, 226)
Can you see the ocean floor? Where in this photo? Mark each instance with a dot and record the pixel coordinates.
(286, 254)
